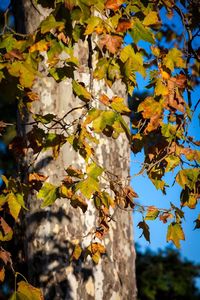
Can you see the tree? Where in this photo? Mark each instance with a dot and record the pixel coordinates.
(70, 75)
(160, 275)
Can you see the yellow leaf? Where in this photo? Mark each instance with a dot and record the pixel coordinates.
(29, 291)
(151, 19)
(40, 46)
(175, 234)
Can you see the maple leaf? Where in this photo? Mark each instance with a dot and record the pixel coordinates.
(111, 42)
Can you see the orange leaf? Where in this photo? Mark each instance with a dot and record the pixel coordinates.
(113, 4)
(5, 256)
(32, 96)
(2, 274)
(37, 177)
(104, 99)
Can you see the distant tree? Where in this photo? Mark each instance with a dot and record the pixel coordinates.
(165, 275)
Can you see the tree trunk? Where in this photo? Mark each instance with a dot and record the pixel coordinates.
(51, 232)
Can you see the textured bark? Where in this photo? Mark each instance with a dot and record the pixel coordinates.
(52, 231)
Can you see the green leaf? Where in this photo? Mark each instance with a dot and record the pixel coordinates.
(105, 118)
(94, 170)
(24, 71)
(139, 32)
(80, 91)
(175, 234)
(92, 22)
(26, 291)
(13, 205)
(101, 68)
(51, 23)
(118, 105)
(88, 186)
(48, 193)
(143, 225)
(172, 162)
(188, 177)
(174, 59)
(46, 119)
(7, 42)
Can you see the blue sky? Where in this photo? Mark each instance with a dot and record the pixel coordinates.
(148, 195)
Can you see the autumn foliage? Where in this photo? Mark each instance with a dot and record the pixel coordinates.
(159, 123)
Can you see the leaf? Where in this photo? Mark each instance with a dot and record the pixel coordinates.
(152, 213)
(26, 291)
(139, 32)
(88, 186)
(117, 104)
(24, 71)
(105, 118)
(76, 252)
(151, 19)
(188, 177)
(2, 274)
(197, 221)
(51, 23)
(65, 192)
(94, 170)
(13, 205)
(175, 234)
(92, 22)
(40, 46)
(172, 162)
(80, 91)
(72, 171)
(6, 232)
(48, 193)
(5, 256)
(113, 4)
(111, 42)
(165, 216)
(46, 119)
(101, 68)
(123, 25)
(79, 201)
(174, 59)
(143, 225)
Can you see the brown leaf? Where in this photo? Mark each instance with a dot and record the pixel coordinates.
(123, 26)
(165, 216)
(181, 81)
(103, 229)
(62, 37)
(14, 54)
(111, 42)
(18, 146)
(5, 256)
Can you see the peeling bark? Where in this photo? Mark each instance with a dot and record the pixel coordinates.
(51, 232)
